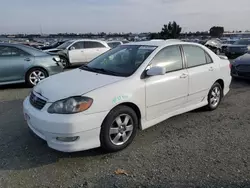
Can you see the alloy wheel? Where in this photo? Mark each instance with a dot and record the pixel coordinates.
(121, 129)
(36, 76)
(215, 96)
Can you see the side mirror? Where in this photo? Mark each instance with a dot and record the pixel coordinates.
(72, 48)
(154, 71)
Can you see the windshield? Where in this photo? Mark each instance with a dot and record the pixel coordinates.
(243, 42)
(65, 45)
(121, 61)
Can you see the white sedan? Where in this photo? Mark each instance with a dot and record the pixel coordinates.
(131, 87)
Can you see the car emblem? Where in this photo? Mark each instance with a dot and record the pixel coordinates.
(34, 98)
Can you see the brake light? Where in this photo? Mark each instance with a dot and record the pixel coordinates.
(230, 65)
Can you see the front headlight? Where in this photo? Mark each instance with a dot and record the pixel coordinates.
(70, 105)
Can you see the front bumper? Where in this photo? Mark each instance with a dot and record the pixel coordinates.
(240, 74)
(51, 126)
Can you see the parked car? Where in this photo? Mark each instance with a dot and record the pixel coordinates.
(20, 63)
(215, 45)
(238, 48)
(53, 46)
(240, 67)
(114, 44)
(226, 44)
(133, 86)
(79, 51)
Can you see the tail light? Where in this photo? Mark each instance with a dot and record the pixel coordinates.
(230, 65)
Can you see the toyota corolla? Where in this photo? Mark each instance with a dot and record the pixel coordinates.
(131, 87)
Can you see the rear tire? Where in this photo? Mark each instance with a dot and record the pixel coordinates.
(118, 129)
(35, 75)
(214, 96)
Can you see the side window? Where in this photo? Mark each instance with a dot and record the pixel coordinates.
(91, 44)
(208, 58)
(169, 57)
(195, 56)
(78, 45)
(8, 51)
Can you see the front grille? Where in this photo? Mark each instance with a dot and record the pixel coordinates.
(37, 102)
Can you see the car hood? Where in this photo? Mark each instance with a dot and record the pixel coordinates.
(73, 83)
(244, 59)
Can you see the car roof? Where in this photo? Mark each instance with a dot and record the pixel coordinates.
(160, 42)
(93, 40)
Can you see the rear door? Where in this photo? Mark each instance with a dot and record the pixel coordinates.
(201, 71)
(92, 49)
(12, 63)
(76, 53)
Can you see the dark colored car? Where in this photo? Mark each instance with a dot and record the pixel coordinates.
(225, 44)
(240, 68)
(238, 48)
(54, 45)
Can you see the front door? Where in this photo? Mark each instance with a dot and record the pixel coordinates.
(167, 93)
(12, 63)
(76, 53)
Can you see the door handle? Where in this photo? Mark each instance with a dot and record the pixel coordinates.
(27, 59)
(183, 75)
(211, 69)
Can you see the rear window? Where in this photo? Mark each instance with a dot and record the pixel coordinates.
(92, 44)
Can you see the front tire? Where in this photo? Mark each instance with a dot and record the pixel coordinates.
(118, 129)
(214, 96)
(65, 62)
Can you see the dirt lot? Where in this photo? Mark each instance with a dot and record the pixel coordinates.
(196, 149)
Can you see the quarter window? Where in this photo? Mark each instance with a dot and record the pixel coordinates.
(170, 58)
(91, 44)
(208, 58)
(195, 56)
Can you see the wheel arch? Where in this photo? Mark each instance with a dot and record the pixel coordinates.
(132, 106)
(221, 82)
(35, 67)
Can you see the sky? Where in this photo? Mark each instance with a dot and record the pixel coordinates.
(81, 16)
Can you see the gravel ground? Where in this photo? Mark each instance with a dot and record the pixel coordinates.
(196, 149)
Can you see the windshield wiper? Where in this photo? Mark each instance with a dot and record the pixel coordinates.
(101, 70)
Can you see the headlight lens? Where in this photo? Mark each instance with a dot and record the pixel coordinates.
(70, 105)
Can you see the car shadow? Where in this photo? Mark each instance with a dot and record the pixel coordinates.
(14, 86)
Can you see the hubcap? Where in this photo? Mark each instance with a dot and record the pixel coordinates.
(36, 77)
(215, 96)
(121, 129)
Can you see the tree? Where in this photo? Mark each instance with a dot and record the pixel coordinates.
(216, 31)
(170, 31)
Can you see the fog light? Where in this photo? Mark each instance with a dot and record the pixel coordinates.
(67, 139)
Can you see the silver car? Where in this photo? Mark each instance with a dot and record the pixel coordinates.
(20, 63)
